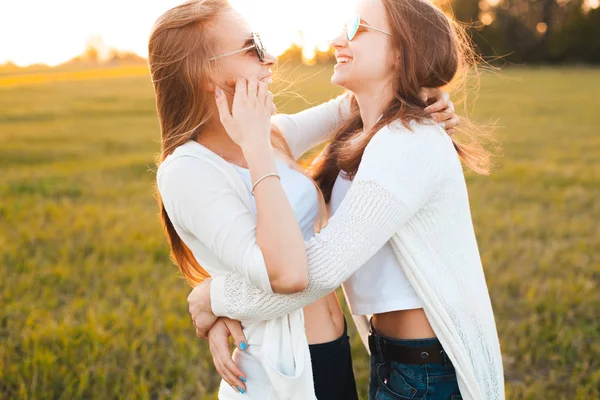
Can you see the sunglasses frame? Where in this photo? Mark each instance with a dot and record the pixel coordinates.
(355, 24)
(257, 46)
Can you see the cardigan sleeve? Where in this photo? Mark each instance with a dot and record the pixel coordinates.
(308, 128)
(199, 201)
(398, 175)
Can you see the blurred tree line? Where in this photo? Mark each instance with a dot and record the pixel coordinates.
(538, 31)
(518, 31)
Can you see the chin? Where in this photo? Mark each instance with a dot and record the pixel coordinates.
(339, 80)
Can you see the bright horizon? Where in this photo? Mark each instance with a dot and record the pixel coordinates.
(57, 31)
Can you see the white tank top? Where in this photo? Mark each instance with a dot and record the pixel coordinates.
(380, 285)
(300, 191)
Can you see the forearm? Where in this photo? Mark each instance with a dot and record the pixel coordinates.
(277, 231)
(308, 128)
(368, 220)
(399, 174)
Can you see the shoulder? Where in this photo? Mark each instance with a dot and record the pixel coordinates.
(399, 136)
(412, 148)
(186, 166)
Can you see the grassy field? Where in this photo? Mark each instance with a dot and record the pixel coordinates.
(92, 308)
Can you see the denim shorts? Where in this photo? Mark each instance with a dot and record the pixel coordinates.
(391, 380)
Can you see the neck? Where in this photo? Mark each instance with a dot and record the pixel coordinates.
(215, 137)
(373, 103)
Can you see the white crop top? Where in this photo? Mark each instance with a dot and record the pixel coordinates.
(380, 285)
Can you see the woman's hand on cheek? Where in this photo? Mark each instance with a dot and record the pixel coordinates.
(230, 84)
(200, 308)
(249, 120)
(442, 109)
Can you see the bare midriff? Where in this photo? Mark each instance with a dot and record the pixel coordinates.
(403, 324)
(324, 320)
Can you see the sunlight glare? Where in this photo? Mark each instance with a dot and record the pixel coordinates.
(58, 31)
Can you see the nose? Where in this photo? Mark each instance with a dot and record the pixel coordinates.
(269, 59)
(340, 40)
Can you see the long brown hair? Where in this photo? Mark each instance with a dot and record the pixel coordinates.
(179, 53)
(433, 51)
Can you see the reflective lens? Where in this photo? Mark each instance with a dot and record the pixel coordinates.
(258, 46)
(353, 27)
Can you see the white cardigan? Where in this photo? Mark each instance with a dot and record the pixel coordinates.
(409, 189)
(210, 208)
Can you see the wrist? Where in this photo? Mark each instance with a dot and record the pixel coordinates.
(257, 149)
(217, 301)
(206, 296)
(260, 159)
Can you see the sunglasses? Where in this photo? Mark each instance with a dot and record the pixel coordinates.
(354, 24)
(257, 45)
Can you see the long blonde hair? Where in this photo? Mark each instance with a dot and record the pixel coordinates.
(179, 53)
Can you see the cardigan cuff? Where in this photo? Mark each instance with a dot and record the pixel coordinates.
(217, 296)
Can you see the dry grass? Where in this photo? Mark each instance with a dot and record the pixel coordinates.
(91, 306)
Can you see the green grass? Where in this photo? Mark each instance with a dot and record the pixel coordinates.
(91, 307)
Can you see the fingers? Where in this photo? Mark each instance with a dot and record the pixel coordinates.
(269, 103)
(219, 348)
(442, 116)
(252, 87)
(203, 322)
(263, 91)
(227, 369)
(442, 102)
(222, 106)
(235, 329)
(452, 123)
(201, 334)
(450, 108)
(241, 88)
(241, 94)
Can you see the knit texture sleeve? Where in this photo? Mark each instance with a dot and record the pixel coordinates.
(308, 128)
(364, 223)
(399, 173)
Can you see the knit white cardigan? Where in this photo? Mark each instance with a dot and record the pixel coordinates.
(410, 190)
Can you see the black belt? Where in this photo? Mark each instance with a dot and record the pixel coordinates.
(407, 354)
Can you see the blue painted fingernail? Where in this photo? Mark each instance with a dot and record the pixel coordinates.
(242, 379)
(243, 346)
(241, 390)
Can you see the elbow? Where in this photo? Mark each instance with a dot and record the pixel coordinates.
(289, 283)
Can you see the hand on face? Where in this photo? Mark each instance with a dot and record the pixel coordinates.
(249, 121)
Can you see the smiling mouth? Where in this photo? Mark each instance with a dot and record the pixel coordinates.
(341, 60)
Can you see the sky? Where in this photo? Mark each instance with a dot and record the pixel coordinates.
(52, 32)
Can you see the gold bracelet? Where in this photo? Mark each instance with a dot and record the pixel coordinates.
(263, 178)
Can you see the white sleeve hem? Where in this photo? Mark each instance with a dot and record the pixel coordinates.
(217, 296)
